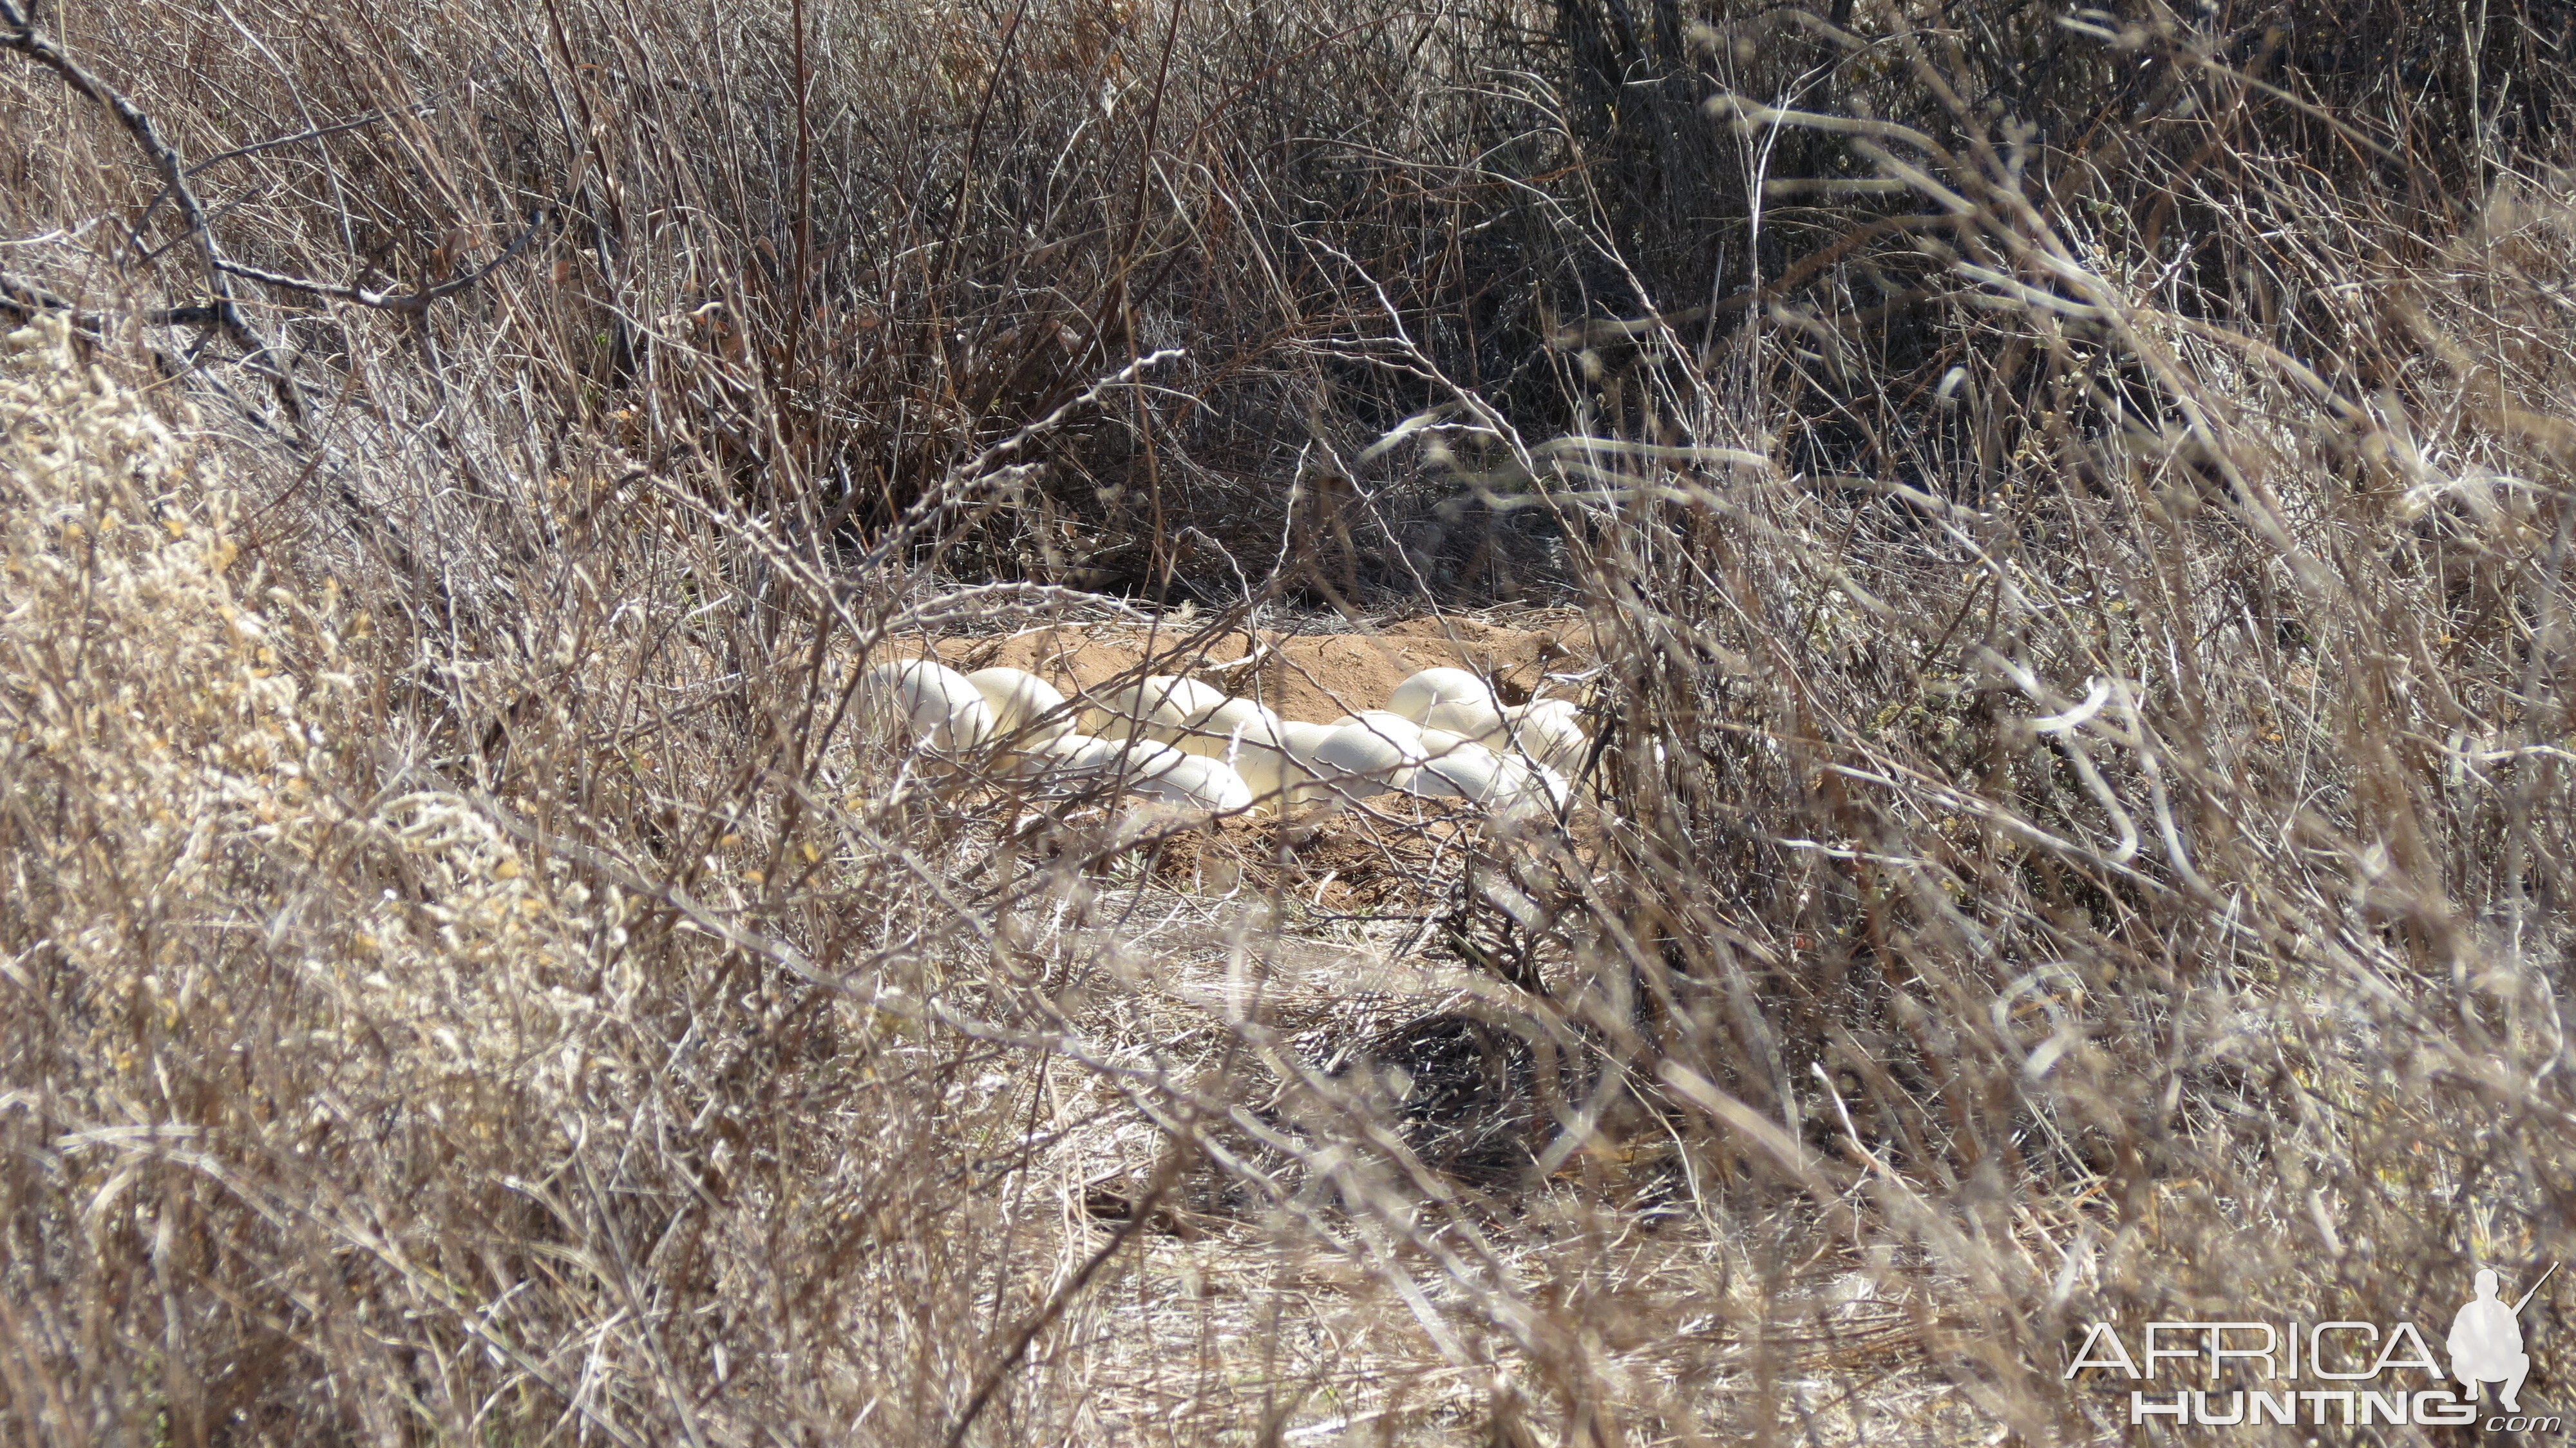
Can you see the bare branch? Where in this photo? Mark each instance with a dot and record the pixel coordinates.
(414, 302)
(21, 35)
(313, 133)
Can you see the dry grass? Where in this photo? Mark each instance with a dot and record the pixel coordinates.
(2073, 512)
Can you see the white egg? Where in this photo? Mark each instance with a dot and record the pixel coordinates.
(1436, 742)
(1132, 760)
(1304, 738)
(1162, 708)
(1366, 756)
(1214, 733)
(1456, 771)
(1567, 709)
(924, 704)
(1405, 734)
(1274, 779)
(1197, 783)
(1178, 706)
(1297, 777)
(1475, 719)
(1522, 789)
(1062, 756)
(1416, 697)
(1255, 743)
(1114, 715)
(1548, 736)
(1017, 697)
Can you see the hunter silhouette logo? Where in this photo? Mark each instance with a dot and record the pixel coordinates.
(2486, 1340)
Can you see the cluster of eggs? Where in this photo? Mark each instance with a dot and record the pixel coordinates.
(1442, 735)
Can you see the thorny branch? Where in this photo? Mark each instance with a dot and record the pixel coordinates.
(21, 35)
(312, 133)
(414, 302)
(18, 32)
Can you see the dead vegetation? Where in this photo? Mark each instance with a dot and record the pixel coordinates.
(2061, 519)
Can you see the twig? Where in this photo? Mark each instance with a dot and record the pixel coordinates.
(224, 310)
(967, 477)
(26, 299)
(313, 133)
(21, 35)
(1045, 1317)
(413, 302)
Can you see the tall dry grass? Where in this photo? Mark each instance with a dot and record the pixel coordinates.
(2072, 510)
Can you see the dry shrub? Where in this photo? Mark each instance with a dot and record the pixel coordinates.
(2104, 826)
(819, 257)
(291, 1012)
